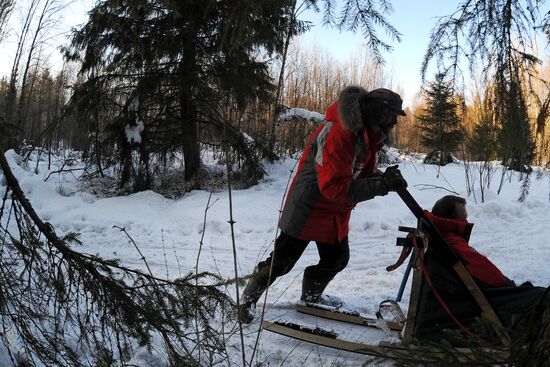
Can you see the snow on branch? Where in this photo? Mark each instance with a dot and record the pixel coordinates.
(301, 114)
(133, 131)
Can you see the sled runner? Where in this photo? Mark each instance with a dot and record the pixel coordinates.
(346, 316)
(383, 349)
(404, 327)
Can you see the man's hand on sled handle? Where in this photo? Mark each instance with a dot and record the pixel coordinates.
(393, 179)
(376, 185)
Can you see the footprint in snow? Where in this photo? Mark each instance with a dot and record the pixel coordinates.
(367, 225)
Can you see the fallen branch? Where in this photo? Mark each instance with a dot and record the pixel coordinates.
(434, 187)
(61, 303)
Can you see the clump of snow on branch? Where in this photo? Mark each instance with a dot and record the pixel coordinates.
(247, 138)
(301, 113)
(133, 133)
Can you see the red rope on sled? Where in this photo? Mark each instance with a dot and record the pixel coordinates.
(436, 294)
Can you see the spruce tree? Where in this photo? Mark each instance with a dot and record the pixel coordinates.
(499, 38)
(515, 140)
(482, 142)
(441, 130)
(192, 65)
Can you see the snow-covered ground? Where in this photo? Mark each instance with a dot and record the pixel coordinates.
(514, 235)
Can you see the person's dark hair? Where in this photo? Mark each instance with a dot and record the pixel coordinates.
(446, 206)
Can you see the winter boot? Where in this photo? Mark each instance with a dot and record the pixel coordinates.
(246, 312)
(254, 288)
(331, 301)
(312, 290)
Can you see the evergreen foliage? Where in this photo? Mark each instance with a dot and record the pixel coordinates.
(193, 66)
(441, 130)
(498, 36)
(366, 16)
(515, 140)
(197, 68)
(63, 306)
(482, 142)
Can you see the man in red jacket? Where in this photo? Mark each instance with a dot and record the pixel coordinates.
(336, 171)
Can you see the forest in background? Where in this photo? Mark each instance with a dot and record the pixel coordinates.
(150, 88)
(146, 86)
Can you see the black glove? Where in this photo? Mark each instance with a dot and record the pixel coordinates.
(511, 283)
(366, 188)
(393, 179)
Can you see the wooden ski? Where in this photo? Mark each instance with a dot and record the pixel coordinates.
(394, 351)
(349, 317)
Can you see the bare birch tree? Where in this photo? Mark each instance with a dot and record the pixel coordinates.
(6, 8)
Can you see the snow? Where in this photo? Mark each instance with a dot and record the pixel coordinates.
(133, 133)
(514, 235)
(301, 113)
(247, 137)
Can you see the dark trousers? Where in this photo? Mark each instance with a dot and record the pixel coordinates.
(333, 258)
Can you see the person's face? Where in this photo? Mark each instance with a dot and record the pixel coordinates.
(385, 122)
(388, 121)
(461, 212)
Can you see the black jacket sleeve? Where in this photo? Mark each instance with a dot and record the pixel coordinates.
(367, 188)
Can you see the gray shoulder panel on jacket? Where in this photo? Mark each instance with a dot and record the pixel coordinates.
(321, 139)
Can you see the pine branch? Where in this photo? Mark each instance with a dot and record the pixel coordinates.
(52, 295)
(525, 187)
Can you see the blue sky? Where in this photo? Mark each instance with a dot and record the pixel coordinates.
(413, 19)
(73, 15)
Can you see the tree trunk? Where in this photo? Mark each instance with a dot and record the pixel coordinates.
(22, 107)
(13, 130)
(190, 141)
(272, 137)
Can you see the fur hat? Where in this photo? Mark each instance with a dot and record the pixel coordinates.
(351, 98)
(349, 111)
(388, 98)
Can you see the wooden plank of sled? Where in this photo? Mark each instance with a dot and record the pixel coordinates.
(330, 342)
(344, 317)
(413, 302)
(395, 351)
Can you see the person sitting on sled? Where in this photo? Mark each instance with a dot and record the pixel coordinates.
(512, 304)
(450, 215)
(336, 171)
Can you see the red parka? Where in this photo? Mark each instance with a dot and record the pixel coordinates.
(457, 234)
(338, 156)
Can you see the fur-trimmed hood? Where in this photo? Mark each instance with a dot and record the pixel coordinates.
(347, 109)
